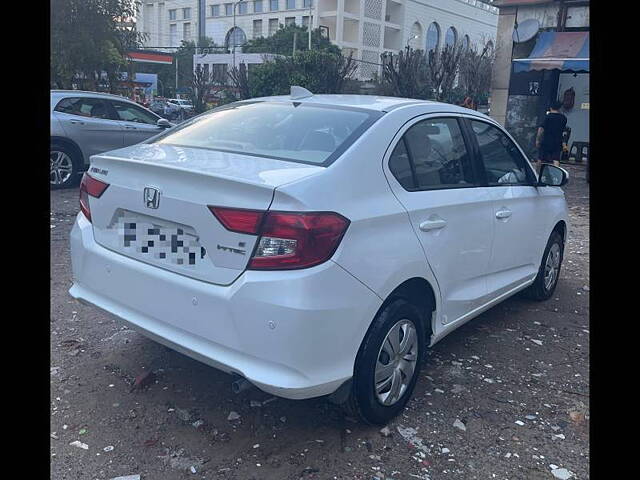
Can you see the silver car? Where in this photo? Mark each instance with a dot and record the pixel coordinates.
(87, 123)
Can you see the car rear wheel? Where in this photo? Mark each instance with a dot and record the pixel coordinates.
(545, 283)
(388, 364)
(63, 165)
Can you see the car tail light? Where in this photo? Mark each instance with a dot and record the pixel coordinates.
(239, 220)
(286, 240)
(89, 186)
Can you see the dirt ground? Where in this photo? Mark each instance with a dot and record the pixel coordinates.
(516, 379)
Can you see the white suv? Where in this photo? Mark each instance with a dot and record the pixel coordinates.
(317, 244)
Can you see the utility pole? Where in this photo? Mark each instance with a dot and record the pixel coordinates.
(176, 92)
(310, 21)
(233, 32)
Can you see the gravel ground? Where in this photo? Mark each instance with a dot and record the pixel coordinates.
(515, 381)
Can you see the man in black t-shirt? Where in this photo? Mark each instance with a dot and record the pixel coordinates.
(549, 138)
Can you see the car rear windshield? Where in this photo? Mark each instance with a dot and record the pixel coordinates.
(298, 132)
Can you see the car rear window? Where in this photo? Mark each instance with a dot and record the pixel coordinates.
(298, 132)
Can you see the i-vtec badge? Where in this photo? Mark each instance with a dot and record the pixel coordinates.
(151, 197)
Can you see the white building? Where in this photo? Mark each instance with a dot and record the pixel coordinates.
(365, 27)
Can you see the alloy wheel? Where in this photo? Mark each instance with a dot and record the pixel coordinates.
(61, 167)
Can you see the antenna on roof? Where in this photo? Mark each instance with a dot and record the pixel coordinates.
(298, 92)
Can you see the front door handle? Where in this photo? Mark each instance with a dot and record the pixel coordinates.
(434, 223)
(503, 213)
(129, 127)
(76, 122)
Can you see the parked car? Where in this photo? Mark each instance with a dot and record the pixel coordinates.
(87, 123)
(185, 105)
(319, 245)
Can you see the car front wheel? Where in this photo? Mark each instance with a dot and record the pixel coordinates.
(388, 364)
(63, 165)
(545, 283)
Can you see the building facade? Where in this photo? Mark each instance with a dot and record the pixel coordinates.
(366, 28)
(542, 55)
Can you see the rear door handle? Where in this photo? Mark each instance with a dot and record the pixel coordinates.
(503, 213)
(434, 223)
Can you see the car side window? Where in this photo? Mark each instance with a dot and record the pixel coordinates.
(436, 154)
(84, 107)
(133, 113)
(400, 166)
(503, 162)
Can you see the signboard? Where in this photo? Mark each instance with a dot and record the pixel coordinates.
(149, 57)
(584, 106)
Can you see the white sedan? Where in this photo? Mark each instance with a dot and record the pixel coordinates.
(318, 244)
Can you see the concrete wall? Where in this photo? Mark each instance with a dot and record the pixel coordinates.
(502, 65)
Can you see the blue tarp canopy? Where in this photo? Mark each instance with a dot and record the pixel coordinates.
(565, 51)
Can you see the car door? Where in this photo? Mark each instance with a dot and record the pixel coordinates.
(90, 123)
(431, 172)
(138, 123)
(517, 214)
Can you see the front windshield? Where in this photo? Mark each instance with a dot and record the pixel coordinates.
(289, 131)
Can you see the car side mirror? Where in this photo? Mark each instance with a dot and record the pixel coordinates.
(163, 123)
(552, 176)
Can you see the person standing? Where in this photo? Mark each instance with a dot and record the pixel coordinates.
(549, 137)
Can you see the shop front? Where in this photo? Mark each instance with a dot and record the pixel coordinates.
(557, 67)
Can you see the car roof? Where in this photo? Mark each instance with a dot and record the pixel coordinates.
(370, 102)
(83, 93)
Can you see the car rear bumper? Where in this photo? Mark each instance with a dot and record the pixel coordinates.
(294, 334)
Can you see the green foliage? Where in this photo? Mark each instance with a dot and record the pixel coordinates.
(167, 73)
(319, 71)
(281, 42)
(89, 37)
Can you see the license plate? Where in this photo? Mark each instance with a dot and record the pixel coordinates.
(168, 244)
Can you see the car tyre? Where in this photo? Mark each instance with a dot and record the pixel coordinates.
(399, 319)
(547, 279)
(64, 164)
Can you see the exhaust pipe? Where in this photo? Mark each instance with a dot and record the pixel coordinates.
(240, 385)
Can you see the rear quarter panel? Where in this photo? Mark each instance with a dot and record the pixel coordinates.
(380, 247)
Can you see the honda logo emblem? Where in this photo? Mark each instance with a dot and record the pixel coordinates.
(151, 197)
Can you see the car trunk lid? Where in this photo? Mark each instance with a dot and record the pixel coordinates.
(155, 209)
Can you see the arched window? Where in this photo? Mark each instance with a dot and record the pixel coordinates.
(235, 38)
(465, 42)
(433, 37)
(451, 37)
(415, 40)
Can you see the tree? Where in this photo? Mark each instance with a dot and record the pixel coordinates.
(317, 70)
(240, 81)
(443, 68)
(281, 42)
(89, 37)
(475, 71)
(201, 83)
(185, 54)
(406, 74)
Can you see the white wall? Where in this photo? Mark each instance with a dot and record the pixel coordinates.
(465, 17)
(368, 35)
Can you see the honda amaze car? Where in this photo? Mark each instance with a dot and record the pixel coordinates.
(317, 245)
(86, 123)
